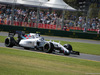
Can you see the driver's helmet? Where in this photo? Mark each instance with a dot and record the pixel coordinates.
(25, 35)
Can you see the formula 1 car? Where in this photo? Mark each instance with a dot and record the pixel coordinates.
(35, 41)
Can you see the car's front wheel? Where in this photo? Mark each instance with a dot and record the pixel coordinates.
(69, 48)
(48, 48)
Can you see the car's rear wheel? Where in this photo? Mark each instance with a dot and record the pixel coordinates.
(26, 48)
(8, 42)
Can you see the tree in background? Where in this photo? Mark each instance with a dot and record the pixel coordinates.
(99, 14)
(72, 3)
(93, 10)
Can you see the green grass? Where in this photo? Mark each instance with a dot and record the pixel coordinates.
(19, 62)
(2, 38)
(86, 48)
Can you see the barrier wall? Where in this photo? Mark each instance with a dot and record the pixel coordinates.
(48, 26)
(51, 32)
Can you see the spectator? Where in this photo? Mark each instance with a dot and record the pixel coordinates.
(8, 20)
(84, 29)
(80, 18)
(20, 20)
(2, 21)
(64, 28)
(93, 25)
(26, 15)
(98, 31)
(25, 20)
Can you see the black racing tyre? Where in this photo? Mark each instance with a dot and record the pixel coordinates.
(26, 48)
(68, 46)
(48, 48)
(8, 42)
(66, 53)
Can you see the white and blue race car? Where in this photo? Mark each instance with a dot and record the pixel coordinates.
(35, 41)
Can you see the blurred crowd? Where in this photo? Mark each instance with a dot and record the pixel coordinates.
(30, 16)
(93, 23)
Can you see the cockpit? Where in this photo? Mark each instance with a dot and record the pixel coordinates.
(34, 35)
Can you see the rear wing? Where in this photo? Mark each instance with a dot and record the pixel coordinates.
(12, 33)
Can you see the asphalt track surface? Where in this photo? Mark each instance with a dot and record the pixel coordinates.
(82, 56)
(63, 39)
